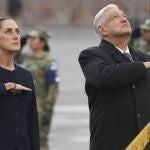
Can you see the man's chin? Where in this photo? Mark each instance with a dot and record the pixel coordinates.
(124, 34)
(127, 31)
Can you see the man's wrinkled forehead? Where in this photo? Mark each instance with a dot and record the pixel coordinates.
(111, 12)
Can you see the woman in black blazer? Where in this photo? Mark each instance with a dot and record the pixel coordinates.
(19, 128)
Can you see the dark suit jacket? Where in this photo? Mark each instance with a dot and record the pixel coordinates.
(18, 113)
(119, 95)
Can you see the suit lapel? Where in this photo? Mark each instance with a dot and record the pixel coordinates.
(119, 57)
(135, 55)
(114, 53)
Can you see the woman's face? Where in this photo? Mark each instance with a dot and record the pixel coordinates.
(35, 44)
(9, 36)
(146, 35)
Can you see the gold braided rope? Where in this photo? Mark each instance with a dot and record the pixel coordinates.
(141, 140)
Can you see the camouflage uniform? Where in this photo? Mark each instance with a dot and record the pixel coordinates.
(141, 44)
(44, 70)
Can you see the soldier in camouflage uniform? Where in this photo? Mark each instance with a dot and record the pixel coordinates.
(143, 43)
(44, 69)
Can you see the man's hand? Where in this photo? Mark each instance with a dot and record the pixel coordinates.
(147, 65)
(16, 87)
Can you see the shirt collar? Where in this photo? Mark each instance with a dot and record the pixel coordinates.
(127, 51)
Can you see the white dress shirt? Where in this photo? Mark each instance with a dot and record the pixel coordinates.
(127, 51)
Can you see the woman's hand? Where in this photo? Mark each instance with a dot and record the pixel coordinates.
(16, 87)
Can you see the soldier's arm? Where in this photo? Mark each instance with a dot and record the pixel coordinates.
(52, 82)
(52, 94)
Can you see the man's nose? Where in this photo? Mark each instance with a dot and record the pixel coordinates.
(123, 19)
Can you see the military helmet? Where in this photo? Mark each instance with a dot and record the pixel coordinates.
(146, 25)
(39, 32)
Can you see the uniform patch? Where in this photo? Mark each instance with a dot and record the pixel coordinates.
(51, 75)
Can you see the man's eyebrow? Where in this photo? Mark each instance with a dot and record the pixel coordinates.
(8, 28)
(124, 13)
(11, 28)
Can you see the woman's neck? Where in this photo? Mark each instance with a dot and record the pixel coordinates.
(6, 60)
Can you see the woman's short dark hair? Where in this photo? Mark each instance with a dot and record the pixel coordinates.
(3, 19)
(46, 46)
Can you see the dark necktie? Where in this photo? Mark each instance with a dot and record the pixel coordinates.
(128, 56)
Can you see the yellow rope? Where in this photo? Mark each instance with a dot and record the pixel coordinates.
(142, 139)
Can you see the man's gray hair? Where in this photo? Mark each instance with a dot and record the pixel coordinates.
(98, 20)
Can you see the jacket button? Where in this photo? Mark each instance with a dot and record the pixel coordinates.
(138, 115)
(133, 86)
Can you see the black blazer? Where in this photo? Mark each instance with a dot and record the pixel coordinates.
(18, 113)
(119, 95)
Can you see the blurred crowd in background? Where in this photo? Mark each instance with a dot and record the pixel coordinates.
(70, 12)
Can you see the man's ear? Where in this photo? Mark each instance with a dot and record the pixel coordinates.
(102, 30)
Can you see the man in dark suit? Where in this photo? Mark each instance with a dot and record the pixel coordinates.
(19, 128)
(117, 83)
